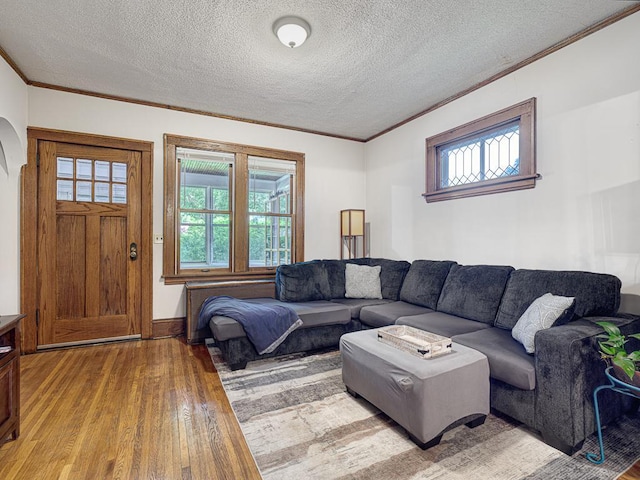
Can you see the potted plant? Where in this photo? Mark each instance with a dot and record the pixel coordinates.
(626, 365)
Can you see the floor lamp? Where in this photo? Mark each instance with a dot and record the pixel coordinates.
(352, 233)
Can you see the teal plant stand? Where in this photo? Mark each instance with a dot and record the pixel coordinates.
(617, 386)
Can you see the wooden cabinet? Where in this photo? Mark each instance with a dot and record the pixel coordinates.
(9, 377)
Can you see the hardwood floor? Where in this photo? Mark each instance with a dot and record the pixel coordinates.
(632, 474)
(150, 409)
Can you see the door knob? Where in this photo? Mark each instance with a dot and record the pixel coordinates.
(133, 251)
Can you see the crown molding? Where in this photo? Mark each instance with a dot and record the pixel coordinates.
(554, 48)
(13, 65)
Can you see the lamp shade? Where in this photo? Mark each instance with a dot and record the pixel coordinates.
(352, 222)
(291, 31)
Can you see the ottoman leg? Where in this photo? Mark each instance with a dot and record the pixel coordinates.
(477, 422)
(353, 393)
(424, 445)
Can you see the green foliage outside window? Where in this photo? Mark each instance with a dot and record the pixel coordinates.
(193, 227)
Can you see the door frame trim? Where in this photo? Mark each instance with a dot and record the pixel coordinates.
(29, 223)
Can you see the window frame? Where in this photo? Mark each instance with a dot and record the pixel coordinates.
(525, 114)
(239, 268)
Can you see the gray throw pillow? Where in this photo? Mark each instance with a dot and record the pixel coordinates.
(541, 314)
(362, 281)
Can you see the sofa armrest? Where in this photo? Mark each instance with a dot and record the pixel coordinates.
(568, 368)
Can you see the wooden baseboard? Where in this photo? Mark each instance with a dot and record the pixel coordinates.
(168, 327)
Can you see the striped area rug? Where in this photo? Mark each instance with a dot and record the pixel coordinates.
(300, 423)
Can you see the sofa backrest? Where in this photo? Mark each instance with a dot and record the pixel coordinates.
(596, 294)
(302, 282)
(325, 279)
(335, 273)
(474, 291)
(424, 281)
(392, 274)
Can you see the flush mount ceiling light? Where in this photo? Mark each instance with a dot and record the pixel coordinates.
(291, 31)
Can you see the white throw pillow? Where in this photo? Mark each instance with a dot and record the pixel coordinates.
(362, 281)
(541, 314)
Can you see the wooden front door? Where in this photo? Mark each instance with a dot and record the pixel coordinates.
(88, 243)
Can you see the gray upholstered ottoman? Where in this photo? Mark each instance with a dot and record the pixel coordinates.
(426, 397)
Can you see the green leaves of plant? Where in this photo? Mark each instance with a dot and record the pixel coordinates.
(610, 328)
(625, 364)
(607, 349)
(612, 348)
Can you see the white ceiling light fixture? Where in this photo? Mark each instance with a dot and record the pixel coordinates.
(291, 31)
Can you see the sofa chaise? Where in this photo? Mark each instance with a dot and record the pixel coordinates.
(477, 306)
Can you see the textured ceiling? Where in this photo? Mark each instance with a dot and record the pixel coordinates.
(367, 65)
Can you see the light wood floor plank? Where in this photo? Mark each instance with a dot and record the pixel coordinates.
(632, 474)
(150, 409)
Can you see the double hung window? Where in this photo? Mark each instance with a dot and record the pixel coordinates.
(231, 211)
(271, 182)
(204, 203)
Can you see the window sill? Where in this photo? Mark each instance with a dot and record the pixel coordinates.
(507, 184)
(223, 277)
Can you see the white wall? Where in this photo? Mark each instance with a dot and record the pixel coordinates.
(13, 140)
(334, 169)
(583, 214)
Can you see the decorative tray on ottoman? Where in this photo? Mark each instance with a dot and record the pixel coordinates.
(414, 341)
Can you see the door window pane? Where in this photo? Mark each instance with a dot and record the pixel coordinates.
(84, 169)
(101, 192)
(103, 171)
(119, 172)
(119, 193)
(83, 191)
(65, 167)
(90, 180)
(65, 190)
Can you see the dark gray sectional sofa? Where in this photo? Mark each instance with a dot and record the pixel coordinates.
(477, 306)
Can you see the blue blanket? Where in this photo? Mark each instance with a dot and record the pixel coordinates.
(266, 326)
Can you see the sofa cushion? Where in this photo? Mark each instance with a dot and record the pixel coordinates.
(312, 314)
(336, 275)
(388, 313)
(543, 313)
(508, 360)
(442, 323)
(596, 294)
(224, 328)
(362, 281)
(474, 291)
(423, 283)
(317, 313)
(356, 304)
(391, 275)
(302, 282)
